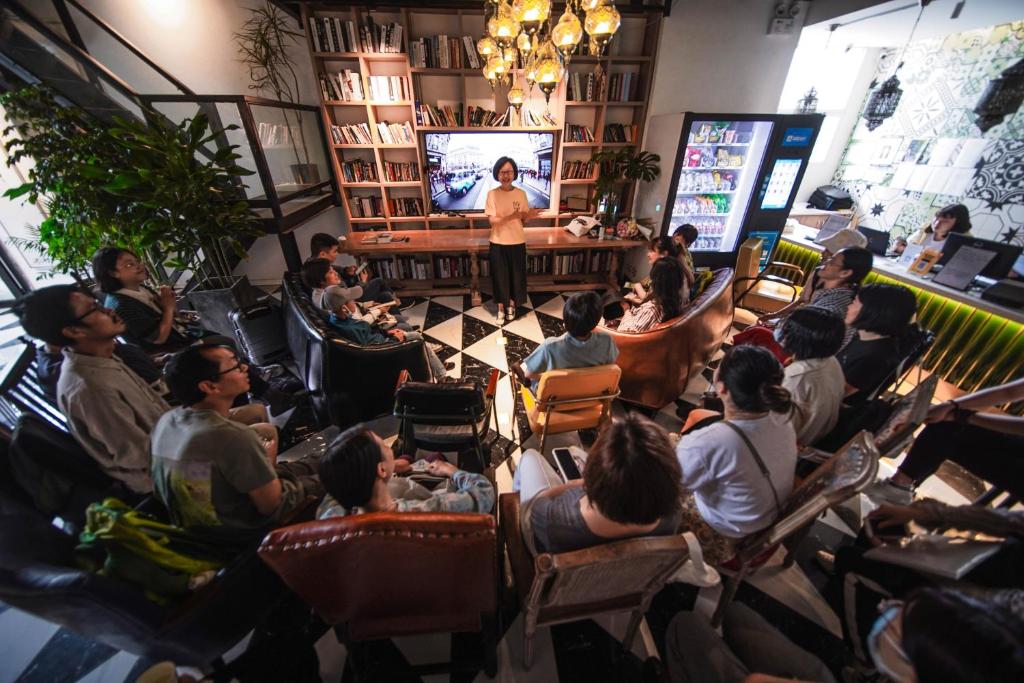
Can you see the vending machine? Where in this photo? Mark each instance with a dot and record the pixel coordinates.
(726, 174)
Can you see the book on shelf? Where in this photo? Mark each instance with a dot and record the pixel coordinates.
(332, 34)
(380, 38)
(388, 88)
(396, 133)
(397, 171)
(444, 52)
(479, 117)
(445, 116)
(578, 170)
(405, 206)
(621, 86)
(351, 134)
(531, 119)
(345, 86)
(581, 87)
(617, 132)
(575, 133)
(359, 171)
(366, 207)
(274, 134)
(446, 267)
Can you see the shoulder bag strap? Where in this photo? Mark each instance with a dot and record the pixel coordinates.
(759, 461)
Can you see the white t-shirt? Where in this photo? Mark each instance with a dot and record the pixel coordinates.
(732, 495)
(500, 204)
(817, 387)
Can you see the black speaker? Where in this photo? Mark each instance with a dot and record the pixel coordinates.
(831, 198)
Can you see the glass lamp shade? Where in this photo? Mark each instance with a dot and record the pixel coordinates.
(883, 102)
(549, 69)
(531, 14)
(1002, 97)
(602, 22)
(486, 46)
(530, 69)
(516, 97)
(587, 5)
(489, 74)
(496, 65)
(567, 32)
(524, 43)
(503, 27)
(510, 56)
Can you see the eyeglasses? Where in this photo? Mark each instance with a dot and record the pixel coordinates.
(506, 173)
(239, 364)
(96, 307)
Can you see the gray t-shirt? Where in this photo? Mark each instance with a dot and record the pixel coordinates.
(558, 525)
(205, 465)
(566, 351)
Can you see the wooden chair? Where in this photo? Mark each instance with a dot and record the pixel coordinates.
(615, 577)
(570, 400)
(386, 574)
(838, 479)
(760, 291)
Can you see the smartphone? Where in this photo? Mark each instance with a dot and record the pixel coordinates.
(890, 534)
(567, 466)
(361, 268)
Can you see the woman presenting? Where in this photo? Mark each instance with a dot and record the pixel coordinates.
(507, 207)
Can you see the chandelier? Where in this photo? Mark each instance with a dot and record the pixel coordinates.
(524, 28)
(884, 100)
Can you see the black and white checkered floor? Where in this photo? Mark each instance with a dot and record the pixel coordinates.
(36, 651)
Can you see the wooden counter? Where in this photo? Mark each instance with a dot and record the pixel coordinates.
(472, 242)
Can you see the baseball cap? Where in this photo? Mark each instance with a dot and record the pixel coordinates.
(847, 237)
(336, 296)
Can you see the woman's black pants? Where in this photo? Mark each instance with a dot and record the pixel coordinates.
(508, 273)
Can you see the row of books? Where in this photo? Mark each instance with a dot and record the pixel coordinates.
(429, 115)
(359, 171)
(582, 262)
(531, 119)
(444, 52)
(366, 207)
(406, 206)
(389, 88)
(617, 132)
(621, 86)
(351, 134)
(478, 116)
(574, 133)
(577, 170)
(396, 133)
(396, 171)
(345, 86)
(581, 87)
(331, 34)
(273, 134)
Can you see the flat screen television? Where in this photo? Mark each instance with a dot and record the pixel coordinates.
(459, 167)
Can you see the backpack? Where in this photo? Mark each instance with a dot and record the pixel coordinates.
(164, 560)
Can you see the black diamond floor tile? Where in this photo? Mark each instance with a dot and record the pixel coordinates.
(437, 314)
(517, 348)
(550, 325)
(541, 298)
(473, 330)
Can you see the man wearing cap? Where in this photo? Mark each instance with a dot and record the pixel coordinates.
(847, 237)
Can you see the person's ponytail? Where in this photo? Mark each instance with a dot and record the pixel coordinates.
(753, 376)
(776, 398)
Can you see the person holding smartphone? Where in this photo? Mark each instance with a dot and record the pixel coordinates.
(507, 208)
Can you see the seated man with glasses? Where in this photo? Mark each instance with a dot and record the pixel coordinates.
(215, 475)
(110, 409)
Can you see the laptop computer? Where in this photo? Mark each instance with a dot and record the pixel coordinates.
(878, 240)
(831, 226)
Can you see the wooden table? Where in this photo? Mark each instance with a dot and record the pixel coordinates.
(473, 242)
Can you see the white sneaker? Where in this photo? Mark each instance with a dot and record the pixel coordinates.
(884, 491)
(510, 313)
(499, 319)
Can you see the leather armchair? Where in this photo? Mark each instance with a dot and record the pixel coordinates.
(385, 574)
(348, 383)
(657, 365)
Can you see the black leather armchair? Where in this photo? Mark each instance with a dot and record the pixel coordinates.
(348, 383)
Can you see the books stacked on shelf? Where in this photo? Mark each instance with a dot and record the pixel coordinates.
(396, 133)
(274, 134)
(344, 86)
(443, 116)
(540, 263)
(366, 207)
(388, 88)
(359, 171)
(404, 268)
(331, 34)
(621, 86)
(444, 52)
(351, 134)
(381, 38)
(406, 206)
(574, 133)
(453, 266)
(395, 172)
(582, 87)
(600, 261)
(578, 170)
(478, 117)
(617, 132)
(531, 119)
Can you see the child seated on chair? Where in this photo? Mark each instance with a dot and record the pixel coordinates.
(320, 277)
(358, 469)
(630, 487)
(324, 246)
(579, 347)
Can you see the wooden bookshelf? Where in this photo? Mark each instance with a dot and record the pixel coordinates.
(633, 49)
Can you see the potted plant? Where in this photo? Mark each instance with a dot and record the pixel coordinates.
(617, 167)
(263, 46)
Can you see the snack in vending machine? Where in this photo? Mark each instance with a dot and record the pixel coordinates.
(693, 158)
(723, 157)
(729, 136)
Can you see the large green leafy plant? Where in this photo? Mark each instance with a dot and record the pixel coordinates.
(619, 166)
(142, 185)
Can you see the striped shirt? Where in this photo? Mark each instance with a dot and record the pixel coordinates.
(641, 318)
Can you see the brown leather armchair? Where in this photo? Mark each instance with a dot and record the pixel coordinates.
(621, 576)
(658, 364)
(385, 574)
